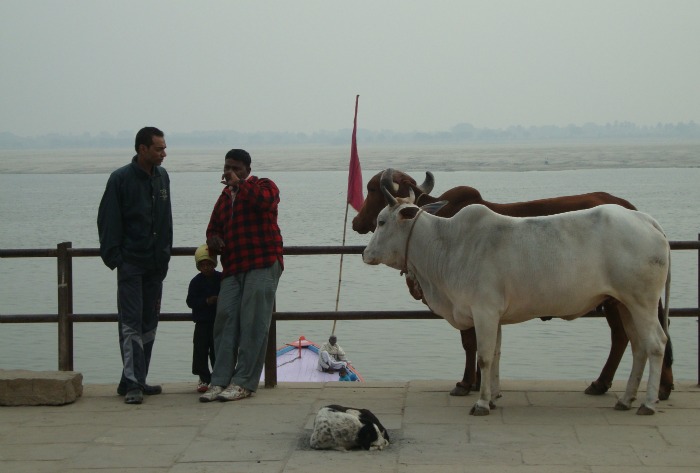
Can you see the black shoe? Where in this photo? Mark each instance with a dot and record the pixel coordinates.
(135, 396)
(151, 390)
(148, 390)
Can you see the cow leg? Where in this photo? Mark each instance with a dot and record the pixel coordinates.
(618, 344)
(648, 342)
(487, 331)
(496, 371)
(465, 386)
(638, 363)
(653, 342)
(666, 385)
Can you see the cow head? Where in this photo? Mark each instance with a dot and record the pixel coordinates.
(394, 223)
(401, 184)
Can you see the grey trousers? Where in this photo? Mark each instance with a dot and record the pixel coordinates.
(138, 303)
(243, 316)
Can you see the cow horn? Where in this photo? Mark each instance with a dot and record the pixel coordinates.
(428, 184)
(386, 182)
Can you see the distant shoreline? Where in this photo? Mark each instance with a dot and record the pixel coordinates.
(556, 156)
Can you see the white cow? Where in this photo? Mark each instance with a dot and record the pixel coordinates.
(481, 269)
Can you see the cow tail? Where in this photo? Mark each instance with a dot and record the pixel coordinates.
(668, 355)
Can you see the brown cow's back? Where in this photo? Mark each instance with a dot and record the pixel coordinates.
(459, 197)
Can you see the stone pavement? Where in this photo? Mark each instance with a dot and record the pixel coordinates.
(538, 427)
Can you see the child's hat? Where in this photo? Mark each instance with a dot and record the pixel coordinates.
(201, 254)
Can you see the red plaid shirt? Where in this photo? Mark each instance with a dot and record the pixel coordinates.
(248, 228)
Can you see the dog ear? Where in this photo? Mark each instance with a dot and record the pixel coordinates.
(366, 436)
(366, 416)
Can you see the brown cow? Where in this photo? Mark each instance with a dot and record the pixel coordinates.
(459, 197)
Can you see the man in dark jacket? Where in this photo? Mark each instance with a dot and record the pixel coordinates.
(135, 226)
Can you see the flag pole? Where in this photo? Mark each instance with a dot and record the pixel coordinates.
(340, 273)
(354, 198)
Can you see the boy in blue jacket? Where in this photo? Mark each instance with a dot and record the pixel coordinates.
(202, 296)
(346, 375)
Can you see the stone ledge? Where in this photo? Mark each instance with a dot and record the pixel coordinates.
(39, 388)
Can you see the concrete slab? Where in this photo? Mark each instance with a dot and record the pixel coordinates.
(39, 388)
(537, 427)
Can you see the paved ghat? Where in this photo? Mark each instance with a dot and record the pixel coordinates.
(538, 427)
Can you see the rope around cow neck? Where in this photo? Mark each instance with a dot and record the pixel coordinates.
(408, 239)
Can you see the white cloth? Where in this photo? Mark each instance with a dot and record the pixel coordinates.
(327, 361)
(336, 351)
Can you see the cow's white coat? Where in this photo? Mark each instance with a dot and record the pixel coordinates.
(481, 269)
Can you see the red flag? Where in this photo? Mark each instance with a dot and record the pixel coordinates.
(355, 197)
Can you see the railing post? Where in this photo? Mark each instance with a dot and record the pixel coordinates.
(271, 356)
(698, 315)
(65, 307)
(271, 352)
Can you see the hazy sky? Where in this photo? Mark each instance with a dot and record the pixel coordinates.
(94, 65)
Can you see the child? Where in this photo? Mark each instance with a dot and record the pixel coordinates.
(201, 298)
(345, 375)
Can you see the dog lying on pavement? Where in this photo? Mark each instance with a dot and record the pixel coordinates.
(345, 428)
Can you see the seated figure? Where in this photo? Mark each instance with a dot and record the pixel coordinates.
(347, 375)
(331, 356)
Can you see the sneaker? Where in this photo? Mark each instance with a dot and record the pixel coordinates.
(233, 393)
(135, 396)
(202, 387)
(211, 393)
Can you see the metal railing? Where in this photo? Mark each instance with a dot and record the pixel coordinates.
(64, 254)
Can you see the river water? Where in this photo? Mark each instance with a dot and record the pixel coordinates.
(47, 198)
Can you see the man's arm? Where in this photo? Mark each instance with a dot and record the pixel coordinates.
(261, 193)
(215, 229)
(109, 225)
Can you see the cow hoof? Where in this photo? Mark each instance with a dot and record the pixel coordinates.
(645, 411)
(477, 410)
(620, 406)
(665, 392)
(460, 390)
(596, 389)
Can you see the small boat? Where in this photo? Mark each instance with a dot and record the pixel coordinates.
(297, 362)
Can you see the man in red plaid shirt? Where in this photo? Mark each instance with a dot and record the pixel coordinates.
(243, 230)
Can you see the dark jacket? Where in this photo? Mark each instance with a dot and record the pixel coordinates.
(135, 221)
(200, 288)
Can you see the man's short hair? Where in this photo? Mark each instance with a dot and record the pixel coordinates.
(239, 155)
(145, 136)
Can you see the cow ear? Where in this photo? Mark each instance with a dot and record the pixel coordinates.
(409, 212)
(411, 199)
(434, 207)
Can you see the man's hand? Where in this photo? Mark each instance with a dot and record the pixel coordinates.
(215, 244)
(211, 300)
(230, 179)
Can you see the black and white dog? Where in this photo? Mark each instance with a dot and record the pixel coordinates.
(345, 428)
